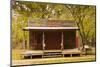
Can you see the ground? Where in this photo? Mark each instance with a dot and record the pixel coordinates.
(53, 60)
(16, 59)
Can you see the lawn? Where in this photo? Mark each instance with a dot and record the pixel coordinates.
(16, 59)
(16, 54)
(53, 60)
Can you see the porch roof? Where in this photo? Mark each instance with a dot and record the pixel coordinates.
(44, 24)
(49, 28)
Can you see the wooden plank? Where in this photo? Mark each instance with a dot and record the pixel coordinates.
(71, 51)
(43, 42)
(62, 45)
(50, 28)
(53, 56)
(53, 51)
(50, 52)
(50, 23)
(32, 53)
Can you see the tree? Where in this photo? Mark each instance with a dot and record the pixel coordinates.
(84, 16)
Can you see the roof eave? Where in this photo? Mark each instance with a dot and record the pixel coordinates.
(51, 28)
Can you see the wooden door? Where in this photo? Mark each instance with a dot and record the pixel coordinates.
(52, 40)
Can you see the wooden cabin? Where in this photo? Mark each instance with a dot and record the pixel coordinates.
(52, 38)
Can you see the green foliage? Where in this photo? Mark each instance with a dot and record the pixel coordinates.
(84, 16)
(18, 22)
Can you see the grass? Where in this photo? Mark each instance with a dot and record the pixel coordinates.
(16, 59)
(16, 54)
(53, 60)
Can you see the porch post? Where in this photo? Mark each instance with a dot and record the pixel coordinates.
(24, 40)
(76, 37)
(43, 44)
(62, 47)
(34, 40)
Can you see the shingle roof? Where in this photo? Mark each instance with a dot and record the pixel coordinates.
(51, 24)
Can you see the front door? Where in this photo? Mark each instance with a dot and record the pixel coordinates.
(52, 40)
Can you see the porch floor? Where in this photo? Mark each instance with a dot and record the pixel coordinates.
(50, 53)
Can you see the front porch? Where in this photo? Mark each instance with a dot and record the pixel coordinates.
(30, 54)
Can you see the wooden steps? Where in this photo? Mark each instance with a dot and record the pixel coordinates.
(52, 54)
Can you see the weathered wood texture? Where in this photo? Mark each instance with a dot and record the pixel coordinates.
(35, 40)
(52, 40)
(51, 23)
(69, 39)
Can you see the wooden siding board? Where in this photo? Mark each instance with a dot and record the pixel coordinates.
(52, 40)
(69, 39)
(35, 40)
(50, 23)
